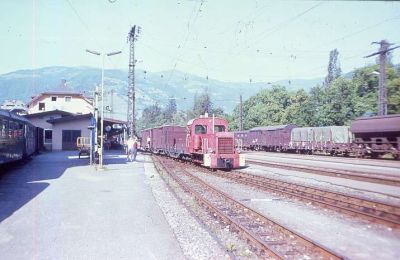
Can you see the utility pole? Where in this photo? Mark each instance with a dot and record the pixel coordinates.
(241, 114)
(132, 37)
(96, 120)
(112, 103)
(382, 93)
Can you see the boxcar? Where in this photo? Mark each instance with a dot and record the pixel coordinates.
(146, 143)
(242, 140)
(169, 140)
(270, 138)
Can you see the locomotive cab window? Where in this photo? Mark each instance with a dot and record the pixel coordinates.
(200, 129)
(219, 128)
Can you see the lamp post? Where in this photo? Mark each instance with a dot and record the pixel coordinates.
(101, 150)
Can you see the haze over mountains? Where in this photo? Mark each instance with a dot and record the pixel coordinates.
(151, 87)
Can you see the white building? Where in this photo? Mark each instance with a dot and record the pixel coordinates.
(62, 114)
(68, 101)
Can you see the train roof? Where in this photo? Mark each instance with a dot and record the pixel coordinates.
(389, 123)
(241, 132)
(190, 122)
(7, 113)
(156, 127)
(271, 128)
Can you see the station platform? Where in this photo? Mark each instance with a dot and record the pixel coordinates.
(56, 206)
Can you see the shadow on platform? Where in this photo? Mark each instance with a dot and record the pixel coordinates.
(23, 181)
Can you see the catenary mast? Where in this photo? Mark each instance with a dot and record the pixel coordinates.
(132, 37)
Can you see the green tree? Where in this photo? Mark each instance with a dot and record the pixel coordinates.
(170, 111)
(151, 116)
(203, 104)
(297, 113)
(334, 70)
(343, 101)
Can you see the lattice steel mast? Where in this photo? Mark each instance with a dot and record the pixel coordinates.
(382, 93)
(132, 37)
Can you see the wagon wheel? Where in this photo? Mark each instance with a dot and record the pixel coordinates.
(374, 155)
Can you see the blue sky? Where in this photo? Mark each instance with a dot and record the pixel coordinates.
(230, 40)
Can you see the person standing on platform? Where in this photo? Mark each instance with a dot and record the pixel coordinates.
(134, 148)
(129, 149)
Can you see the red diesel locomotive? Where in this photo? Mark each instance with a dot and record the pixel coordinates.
(205, 140)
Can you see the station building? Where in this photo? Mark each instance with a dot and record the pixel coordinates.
(64, 115)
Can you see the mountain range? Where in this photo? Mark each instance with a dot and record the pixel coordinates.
(151, 87)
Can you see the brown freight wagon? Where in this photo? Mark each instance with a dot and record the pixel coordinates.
(169, 140)
(271, 138)
(242, 140)
(376, 136)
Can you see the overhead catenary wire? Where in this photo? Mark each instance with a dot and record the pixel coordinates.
(349, 35)
(185, 40)
(83, 23)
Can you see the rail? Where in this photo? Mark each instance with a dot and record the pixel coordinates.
(353, 175)
(266, 236)
(371, 210)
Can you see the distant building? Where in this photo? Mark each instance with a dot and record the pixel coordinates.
(62, 98)
(17, 106)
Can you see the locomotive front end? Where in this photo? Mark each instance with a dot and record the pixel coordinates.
(223, 155)
(210, 144)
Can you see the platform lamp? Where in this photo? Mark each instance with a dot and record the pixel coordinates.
(101, 150)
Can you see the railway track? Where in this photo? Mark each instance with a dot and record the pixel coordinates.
(374, 211)
(389, 163)
(353, 175)
(266, 237)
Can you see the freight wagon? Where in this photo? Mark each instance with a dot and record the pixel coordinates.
(371, 136)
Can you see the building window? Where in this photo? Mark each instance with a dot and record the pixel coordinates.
(70, 136)
(41, 106)
(53, 98)
(3, 128)
(48, 136)
(69, 139)
(68, 99)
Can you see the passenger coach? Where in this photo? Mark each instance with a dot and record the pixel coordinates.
(18, 137)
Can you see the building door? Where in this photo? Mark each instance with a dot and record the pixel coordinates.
(69, 139)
